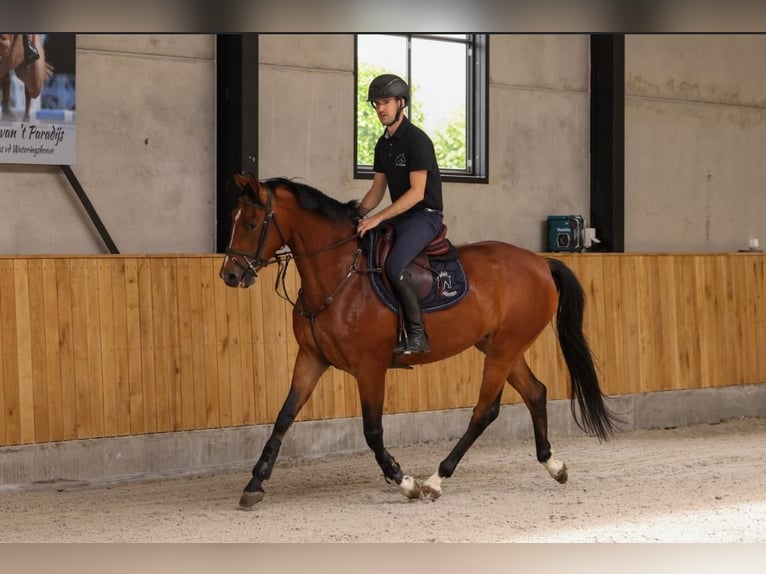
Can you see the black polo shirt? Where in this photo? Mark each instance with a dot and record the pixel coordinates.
(409, 149)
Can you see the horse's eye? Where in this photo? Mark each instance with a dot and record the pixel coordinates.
(250, 226)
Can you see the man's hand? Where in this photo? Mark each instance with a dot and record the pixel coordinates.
(368, 223)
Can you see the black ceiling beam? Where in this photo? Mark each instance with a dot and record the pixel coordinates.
(607, 141)
(236, 122)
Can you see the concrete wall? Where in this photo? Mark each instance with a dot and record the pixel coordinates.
(145, 154)
(695, 138)
(695, 142)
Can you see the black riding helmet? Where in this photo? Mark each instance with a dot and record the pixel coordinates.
(388, 86)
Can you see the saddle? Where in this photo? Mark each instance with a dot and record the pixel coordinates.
(420, 268)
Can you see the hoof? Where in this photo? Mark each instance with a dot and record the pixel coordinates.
(561, 476)
(557, 469)
(410, 488)
(432, 487)
(431, 493)
(250, 499)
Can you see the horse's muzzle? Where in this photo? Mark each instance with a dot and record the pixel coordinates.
(238, 279)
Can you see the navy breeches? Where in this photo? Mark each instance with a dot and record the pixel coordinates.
(412, 232)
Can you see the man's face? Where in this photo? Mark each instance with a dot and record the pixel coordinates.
(386, 109)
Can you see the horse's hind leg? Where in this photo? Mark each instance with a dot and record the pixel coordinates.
(486, 410)
(534, 394)
(308, 369)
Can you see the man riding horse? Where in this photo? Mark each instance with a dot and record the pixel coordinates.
(405, 162)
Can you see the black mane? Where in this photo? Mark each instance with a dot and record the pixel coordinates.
(311, 199)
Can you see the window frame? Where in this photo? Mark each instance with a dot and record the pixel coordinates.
(477, 104)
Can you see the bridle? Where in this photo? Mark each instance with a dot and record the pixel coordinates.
(254, 262)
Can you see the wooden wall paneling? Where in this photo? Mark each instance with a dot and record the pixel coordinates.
(705, 319)
(646, 320)
(160, 306)
(233, 341)
(669, 351)
(256, 323)
(38, 362)
(744, 319)
(196, 319)
(209, 346)
(738, 281)
(686, 314)
(731, 321)
(94, 373)
(50, 327)
(443, 381)
(247, 358)
(121, 346)
(222, 334)
(186, 347)
(628, 377)
(173, 344)
(24, 353)
(5, 409)
(718, 351)
(756, 292)
(338, 406)
(135, 367)
(80, 347)
(611, 331)
(106, 350)
(107, 346)
(66, 345)
(12, 424)
(273, 336)
(601, 330)
(420, 388)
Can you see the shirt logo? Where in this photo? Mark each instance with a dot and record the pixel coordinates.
(400, 161)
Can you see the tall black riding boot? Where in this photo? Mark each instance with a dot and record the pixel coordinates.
(415, 339)
(30, 52)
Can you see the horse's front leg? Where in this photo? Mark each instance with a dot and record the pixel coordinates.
(372, 389)
(308, 369)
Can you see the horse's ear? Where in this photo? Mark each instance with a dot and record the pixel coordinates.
(241, 180)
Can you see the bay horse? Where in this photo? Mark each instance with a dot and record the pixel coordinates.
(339, 321)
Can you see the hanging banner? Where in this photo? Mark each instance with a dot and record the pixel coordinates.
(37, 81)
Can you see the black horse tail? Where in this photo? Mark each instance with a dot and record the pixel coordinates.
(596, 418)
